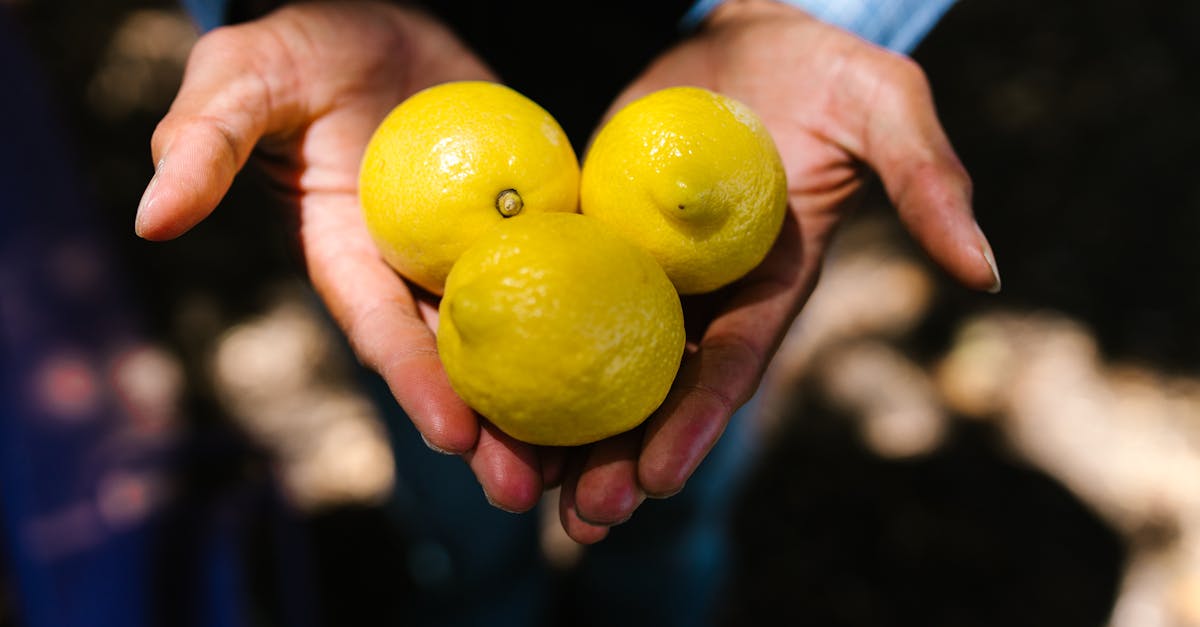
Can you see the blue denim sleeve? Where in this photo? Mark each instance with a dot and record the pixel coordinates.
(895, 24)
(208, 14)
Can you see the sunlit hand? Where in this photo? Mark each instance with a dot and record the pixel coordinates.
(837, 108)
(304, 88)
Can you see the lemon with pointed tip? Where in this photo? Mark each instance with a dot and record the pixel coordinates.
(559, 331)
(452, 161)
(693, 177)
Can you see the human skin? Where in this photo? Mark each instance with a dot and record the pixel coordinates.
(839, 110)
(287, 89)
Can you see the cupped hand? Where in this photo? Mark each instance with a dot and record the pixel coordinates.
(839, 109)
(304, 88)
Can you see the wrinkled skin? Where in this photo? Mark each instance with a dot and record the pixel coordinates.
(288, 89)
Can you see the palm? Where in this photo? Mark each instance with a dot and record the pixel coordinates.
(837, 109)
(291, 88)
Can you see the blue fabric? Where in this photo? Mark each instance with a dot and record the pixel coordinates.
(697, 13)
(894, 24)
(97, 529)
(208, 14)
(57, 427)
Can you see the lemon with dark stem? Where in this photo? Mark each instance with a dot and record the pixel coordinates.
(454, 160)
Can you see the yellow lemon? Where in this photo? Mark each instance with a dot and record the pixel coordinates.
(693, 177)
(454, 160)
(559, 331)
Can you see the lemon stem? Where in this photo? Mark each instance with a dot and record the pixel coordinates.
(509, 203)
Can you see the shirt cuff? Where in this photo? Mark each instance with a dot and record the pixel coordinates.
(894, 24)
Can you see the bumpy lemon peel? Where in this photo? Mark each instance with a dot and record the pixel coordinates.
(693, 177)
(560, 331)
(453, 160)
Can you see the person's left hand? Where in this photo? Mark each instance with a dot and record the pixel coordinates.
(837, 107)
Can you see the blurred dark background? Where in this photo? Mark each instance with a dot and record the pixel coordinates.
(992, 484)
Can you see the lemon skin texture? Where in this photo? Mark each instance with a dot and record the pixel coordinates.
(559, 331)
(440, 167)
(693, 177)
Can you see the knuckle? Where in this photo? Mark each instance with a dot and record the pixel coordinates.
(901, 68)
(665, 487)
(230, 143)
(662, 480)
(721, 405)
(910, 71)
(902, 81)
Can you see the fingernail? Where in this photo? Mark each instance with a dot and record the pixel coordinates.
(497, 505)
(637, 502)
(991, 262)
(985, 249)
(434, 448)
(143, 209)
(664, 495)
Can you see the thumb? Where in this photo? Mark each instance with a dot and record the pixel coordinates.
(224, 106)
(906, 145)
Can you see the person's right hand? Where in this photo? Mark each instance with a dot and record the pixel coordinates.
(305, 87)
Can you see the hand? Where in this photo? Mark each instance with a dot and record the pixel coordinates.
(305, 87)
(835, 106)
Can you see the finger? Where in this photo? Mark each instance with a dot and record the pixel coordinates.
(377, 312)
(223, 108)
(725, 369)
(607, 492)
(507, 470)
(553, 460)
(905, 143)
(576, 528)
